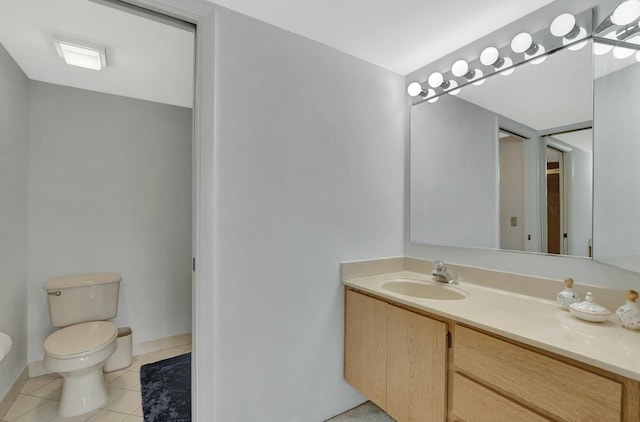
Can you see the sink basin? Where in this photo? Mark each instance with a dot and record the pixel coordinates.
(424, 289)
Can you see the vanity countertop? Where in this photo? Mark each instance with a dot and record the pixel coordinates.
(537, 322)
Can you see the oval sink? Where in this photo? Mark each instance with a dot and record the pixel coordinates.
(424, 290)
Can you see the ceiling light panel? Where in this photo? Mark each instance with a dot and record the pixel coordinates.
(79, 53)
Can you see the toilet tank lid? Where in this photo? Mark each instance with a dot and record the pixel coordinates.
(82, 280)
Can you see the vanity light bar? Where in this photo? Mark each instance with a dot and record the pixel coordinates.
(566, 30)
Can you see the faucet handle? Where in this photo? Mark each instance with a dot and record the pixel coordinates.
(439, 265)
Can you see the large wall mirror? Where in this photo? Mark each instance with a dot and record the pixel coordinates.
(616, 213)
(511, 160)
(543, 160)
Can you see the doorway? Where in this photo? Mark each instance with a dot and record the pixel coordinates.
(556, 235)
(512, 200)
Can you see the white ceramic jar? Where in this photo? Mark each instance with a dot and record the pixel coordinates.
(568, 295)
(629, 313)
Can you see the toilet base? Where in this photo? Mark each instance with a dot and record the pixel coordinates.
(83, 391)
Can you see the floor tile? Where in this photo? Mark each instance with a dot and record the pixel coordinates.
(129, 381)
(21, 406)
(127, 403)
(45, 412)
(138, 412)
(81, 418)
(51, 391)
(132, 418)
(106, 416)
(33, 384)
(114, 394)
(111, 376)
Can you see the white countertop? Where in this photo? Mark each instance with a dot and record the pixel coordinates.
(533, 321)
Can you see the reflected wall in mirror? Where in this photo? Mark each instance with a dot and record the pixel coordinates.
(479, 161)
(616, 153)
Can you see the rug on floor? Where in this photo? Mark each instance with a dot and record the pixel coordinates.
(166, 390)
(366, 412)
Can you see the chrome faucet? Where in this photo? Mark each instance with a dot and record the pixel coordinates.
(440, 273)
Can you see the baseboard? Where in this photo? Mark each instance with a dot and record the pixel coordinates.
(37, 368)
(13, 392)
(161, 344)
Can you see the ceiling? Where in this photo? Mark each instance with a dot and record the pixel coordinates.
(146, 59)
(398, 35)
(153, 61)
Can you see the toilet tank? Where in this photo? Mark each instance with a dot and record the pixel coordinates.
(83, 298)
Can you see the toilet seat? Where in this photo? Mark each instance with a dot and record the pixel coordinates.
(80, 340)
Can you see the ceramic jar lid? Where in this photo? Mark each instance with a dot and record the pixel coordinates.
(589, 310)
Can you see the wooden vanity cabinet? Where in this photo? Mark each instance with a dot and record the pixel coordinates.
(396, 358)
(400, 360)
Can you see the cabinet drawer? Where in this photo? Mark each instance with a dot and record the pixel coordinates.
(474, 403)
(549, 386)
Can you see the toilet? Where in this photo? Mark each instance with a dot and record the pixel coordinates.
(80, 306)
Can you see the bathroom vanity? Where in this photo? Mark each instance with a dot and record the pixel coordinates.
(489, 356)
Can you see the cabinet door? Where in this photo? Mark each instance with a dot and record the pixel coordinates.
(417, 370)
(365, 346)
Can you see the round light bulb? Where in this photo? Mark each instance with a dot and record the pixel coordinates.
(414, 89)
(477, 77)
(563, 25)
(627, 12)
(507, 65)
(521, 42)
(431, 96)
(489, 56)
(540, 52)
(460, 68)
(622, 52)
(435, 79)
(577, 46)
(453, 84)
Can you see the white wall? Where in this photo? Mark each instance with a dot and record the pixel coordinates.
(14, 103)
(110, 190)
(308, 173)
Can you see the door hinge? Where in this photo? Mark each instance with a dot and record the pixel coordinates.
(193, 262)
(449, 340)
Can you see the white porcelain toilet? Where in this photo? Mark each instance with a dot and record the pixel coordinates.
(79, 306)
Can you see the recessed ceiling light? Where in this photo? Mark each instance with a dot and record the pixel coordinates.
(79, 53)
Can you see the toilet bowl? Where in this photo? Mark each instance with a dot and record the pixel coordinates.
(80, 306)
(78, 354)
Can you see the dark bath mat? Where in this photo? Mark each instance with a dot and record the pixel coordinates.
(166, 390)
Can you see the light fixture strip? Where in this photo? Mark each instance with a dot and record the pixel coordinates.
(541, 37)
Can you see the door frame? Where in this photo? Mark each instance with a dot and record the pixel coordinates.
(202, 14)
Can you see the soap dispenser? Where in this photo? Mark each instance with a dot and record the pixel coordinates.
(629, 313)
(568, 295)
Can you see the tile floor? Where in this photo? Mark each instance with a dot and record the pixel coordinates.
(38, 399)
(367, 411)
